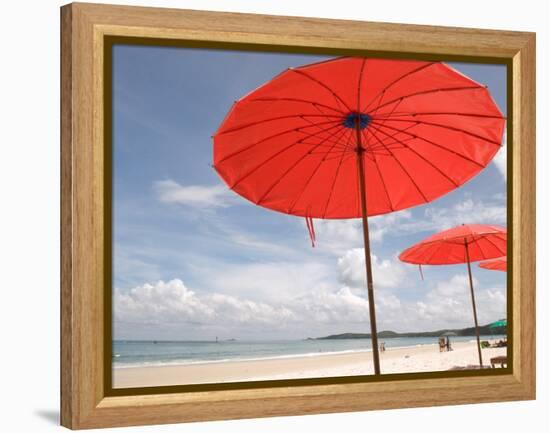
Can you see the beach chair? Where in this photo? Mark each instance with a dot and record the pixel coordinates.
(499, 360)
(468, 367)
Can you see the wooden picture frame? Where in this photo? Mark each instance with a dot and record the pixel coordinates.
(85, 400)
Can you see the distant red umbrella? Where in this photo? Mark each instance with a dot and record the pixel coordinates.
(353, 137)
(495, 265)
(462, 244)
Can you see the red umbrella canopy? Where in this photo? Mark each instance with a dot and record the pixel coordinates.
(495, 265)
(448, 247)
(424, 129)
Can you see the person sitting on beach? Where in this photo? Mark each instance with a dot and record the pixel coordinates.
(442, 344)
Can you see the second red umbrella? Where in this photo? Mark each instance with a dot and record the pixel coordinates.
(462, 244)
(355, 137)
(495, 265)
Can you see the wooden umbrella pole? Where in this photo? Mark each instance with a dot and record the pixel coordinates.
(473, 302)
(368, 265)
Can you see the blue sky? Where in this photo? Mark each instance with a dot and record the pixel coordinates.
(192, 260)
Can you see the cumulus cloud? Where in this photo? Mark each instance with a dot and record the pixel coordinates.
(500, 157)
(167, 303)
(338, 235)
(467, 211)
(449, 305)
(386, 273)
(172, 305)
(197, 196)
(153, 303)
(172, 301)
(332, 307)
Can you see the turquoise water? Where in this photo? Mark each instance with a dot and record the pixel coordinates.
(144, 353)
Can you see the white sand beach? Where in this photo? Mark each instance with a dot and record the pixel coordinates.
(423, 358)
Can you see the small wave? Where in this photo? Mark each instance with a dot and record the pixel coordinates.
(259, 358)
(198, 361)
(216, 361)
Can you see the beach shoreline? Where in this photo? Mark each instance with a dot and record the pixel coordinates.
(422, 358)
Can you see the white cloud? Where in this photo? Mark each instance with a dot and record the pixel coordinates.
(342, 307)
(341, 235)
(449, 305)
(198, 196)
(500, 157)
(164, 304)
(172, 302)
(249, 240)
(161, 306)
(386, 273)
(338, 235)
(462, 212)
(467, 211)
(270, 281)
(381, 225)
(332, 307)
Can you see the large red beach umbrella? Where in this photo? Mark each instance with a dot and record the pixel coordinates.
(462, 244)
(353, 137)
(495, 265)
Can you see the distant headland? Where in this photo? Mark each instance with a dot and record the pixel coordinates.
(483, 330)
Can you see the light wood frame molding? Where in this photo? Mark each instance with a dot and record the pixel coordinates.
(84, 403)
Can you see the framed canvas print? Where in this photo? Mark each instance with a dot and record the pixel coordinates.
(270, 216)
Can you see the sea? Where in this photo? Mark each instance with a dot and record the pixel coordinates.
(134, 353)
